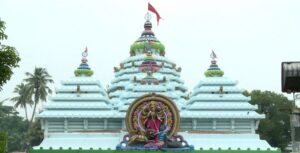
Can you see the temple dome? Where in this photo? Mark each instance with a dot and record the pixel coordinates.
(147, 42)
(214, 70)
(84, 69)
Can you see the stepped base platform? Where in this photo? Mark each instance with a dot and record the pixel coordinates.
(203, 143)
(146, 151)
(183, 149)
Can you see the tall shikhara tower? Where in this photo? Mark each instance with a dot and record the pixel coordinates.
(147, 70)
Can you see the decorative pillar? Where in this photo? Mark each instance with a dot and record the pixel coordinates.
(66, 125)
(105, 124)
(194, 124)
(85, 124)
(46, 128)
(232, 125)
(252, 126)
(214, 124)
(123, 124)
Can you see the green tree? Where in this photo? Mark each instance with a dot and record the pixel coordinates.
(14, 126)
(275, 128)
(38, 86)
(23, 98)
(9, 57)
(3, 142)
(36, 134)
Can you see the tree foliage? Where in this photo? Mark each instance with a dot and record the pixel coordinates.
(37, 83)
(36, 134)
(9, 57)
(17, 129)
(2, 28)
(275, 128)
(23, 98)
(14, 126)
(3, 142)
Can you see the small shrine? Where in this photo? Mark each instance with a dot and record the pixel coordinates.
(152, 122)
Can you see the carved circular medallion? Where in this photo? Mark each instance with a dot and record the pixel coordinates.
(151, 113)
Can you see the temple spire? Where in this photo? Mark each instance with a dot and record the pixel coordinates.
(84, 69)
(148, 26)
(213, 70)
(147, 41)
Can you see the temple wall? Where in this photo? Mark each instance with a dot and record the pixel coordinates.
(218, 125)
(81, 125)
(116, 124)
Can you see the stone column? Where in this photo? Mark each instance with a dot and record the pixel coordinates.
(123, 124)
(85, 124)
(252, 126)
(232, 125)
(194, 124)
(46, 128)
(66, 125)
(214, 124)
(105, 123)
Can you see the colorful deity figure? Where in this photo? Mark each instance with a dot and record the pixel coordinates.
(152, 122)
(162, 135)
(153, 119)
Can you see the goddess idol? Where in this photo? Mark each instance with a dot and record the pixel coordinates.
(152, 122)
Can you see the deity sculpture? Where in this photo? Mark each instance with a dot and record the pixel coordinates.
(153, 118)
(152, 124)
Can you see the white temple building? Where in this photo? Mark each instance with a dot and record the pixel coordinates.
(84, 114)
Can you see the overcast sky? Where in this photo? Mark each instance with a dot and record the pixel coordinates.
(250, 37)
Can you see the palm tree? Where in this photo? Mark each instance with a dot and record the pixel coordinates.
(23, 98)
(4, 110)
(2, 101)
(38, 86)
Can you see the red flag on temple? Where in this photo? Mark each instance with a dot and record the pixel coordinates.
(153, 10)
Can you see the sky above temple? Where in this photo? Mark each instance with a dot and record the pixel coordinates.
(251, 38)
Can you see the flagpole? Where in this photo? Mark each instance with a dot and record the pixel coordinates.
(153, 10)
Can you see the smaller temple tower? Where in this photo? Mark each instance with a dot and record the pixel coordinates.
(220, 105)
(78, 112)
(218, 112)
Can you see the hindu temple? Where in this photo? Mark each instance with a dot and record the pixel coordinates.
(147, 106)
